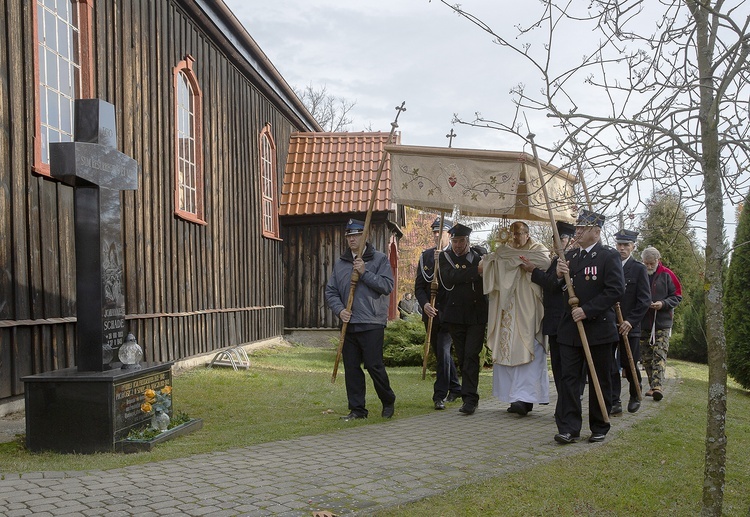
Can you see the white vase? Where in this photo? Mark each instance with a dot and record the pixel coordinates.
(160, 421)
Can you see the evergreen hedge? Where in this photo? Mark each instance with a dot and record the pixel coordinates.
(404, 342)
(737, 303)
(692, 345)
(403, 345)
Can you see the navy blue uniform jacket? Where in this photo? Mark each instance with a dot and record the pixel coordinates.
(553, 300)
(465, 301)
(598, 283)
(422, 284)
(637, 298)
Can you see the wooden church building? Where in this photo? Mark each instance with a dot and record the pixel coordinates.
(209, 120)
(329, 179)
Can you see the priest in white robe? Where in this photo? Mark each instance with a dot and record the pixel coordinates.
(514, 332)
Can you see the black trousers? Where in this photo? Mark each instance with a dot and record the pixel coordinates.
(446, 376)
(569, 412)
(554, 358)
(365, 348)
(468, 340)
(621, 361)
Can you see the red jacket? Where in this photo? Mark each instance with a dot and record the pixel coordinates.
(665, 287)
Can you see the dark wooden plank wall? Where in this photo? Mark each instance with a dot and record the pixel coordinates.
(190, 288)
(36, 224)
(309, 252)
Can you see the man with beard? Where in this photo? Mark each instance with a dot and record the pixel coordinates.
(666, 294)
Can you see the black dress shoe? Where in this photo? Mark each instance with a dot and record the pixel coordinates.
(565, 438)
(353, 416)
(452, 397)
(633, 406)
(616, 409)
(439, 404)
(467, 409)
(597, 437)
(518, 407)
(387, 411)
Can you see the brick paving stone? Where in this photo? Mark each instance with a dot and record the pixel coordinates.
(204, 510)
(170, 511)
(70, 510)
(247, 509)
(96, 511)
(222, 513)
(32, 475)
(17, 513)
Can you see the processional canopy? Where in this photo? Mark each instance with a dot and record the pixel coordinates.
(482, 183)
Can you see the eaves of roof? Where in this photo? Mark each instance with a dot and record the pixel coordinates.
(335, 173)
(227, 30)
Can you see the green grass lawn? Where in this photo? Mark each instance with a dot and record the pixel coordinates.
(653, 468)
(286, 393)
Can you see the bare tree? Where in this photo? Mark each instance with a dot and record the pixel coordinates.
(331, 112)
(672, 80)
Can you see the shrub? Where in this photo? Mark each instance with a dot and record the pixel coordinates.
(692, 346)
(737, 303)
(404, 345)
(404, 342)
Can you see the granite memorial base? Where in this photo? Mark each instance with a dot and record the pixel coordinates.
(87, 412)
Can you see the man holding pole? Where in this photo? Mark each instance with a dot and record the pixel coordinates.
(596, 275)
(365, 330)
(465, 309)
(634, 304)
(446, 387)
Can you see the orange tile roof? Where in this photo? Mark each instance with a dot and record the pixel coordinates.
(333, 173)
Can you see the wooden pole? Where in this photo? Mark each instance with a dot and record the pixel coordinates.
(365, 235)
(572, 299)
(629, 353)
(618, 311)
(433, 295)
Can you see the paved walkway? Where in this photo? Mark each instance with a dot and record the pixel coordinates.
(349, 472)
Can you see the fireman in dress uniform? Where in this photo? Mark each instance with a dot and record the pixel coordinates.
(634, 305)
(447, 386)
(465, 309)
(596, 274)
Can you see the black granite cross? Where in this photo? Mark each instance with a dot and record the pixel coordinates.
(98, 171)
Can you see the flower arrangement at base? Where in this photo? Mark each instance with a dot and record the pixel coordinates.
(149, 433)
(158, 404)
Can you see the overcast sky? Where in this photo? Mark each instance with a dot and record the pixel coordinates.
(382, 52)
